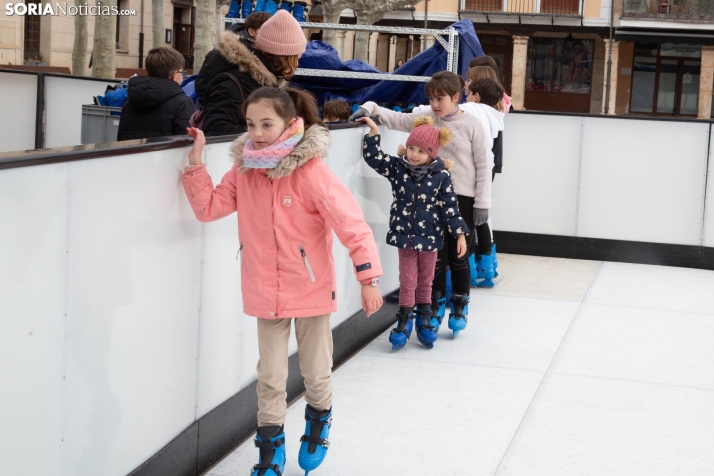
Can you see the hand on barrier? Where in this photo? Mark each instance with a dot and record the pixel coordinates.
(366, 120)
(361, 112)
(480, 216)
(199, 141)
(371, 299)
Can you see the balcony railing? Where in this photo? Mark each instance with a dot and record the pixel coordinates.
(525, 7)
(667, 8)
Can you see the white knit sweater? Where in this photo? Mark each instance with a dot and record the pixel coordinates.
(471, 173)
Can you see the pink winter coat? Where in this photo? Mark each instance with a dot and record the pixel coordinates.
(286, 217)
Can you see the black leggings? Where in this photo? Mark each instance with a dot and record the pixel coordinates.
(460, 269)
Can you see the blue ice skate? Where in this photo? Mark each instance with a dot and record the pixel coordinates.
(474, 270)
(495, 261)
(438, 309)
(286, 5)
(246, 8)
(271, 6)
(299, 11)
(270, 440)
(485, 270)
(401, 334)
(459, 306)
(447, 294)
(260, 5)
(313, 448)
(233, 9)
(426, 334)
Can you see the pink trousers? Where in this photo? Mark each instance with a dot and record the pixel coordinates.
(416, 273)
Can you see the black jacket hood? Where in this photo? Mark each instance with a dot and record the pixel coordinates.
(148, 92)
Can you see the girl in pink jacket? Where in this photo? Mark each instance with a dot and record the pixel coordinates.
(288, 202)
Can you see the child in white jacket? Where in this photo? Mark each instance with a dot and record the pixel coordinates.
(483, 102)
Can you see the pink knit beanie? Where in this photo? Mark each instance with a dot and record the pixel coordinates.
(281, 35)
(426, 138)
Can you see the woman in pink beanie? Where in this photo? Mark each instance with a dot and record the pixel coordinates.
(235, 68)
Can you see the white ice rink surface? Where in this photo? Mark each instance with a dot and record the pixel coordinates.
(566, 368)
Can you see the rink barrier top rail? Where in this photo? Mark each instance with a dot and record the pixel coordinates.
(28, 158)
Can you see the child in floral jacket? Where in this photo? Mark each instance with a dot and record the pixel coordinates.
(424, 207)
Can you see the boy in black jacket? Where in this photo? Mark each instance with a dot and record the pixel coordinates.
(157, 106)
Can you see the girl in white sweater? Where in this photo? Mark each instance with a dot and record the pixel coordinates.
(471, 175)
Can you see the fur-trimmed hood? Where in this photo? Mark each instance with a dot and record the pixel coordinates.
(313, 145)
(235, 52)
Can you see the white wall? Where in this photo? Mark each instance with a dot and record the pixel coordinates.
(63, 108)
(64, 97)
(121, 316)
(18, 99)
(601, 177)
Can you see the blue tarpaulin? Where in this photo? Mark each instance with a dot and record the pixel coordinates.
(320, 55)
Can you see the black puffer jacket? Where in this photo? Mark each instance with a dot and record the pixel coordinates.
(222, 101)
(156, 107)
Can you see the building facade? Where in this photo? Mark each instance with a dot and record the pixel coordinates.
(553, 54)
(48, 40)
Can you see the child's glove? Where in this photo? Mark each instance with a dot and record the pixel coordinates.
(361, 112)
(480, 216)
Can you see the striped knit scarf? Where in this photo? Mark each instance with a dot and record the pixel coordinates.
(270, 157)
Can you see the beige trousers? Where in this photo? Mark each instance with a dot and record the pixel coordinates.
(314, 339)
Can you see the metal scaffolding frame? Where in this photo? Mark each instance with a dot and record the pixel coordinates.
(450, 44)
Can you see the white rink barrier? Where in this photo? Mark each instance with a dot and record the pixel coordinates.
(120, 315)
(61, 111)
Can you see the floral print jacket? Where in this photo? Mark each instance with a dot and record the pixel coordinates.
(425, 204)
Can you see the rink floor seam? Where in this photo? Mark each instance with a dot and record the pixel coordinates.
(545, 374)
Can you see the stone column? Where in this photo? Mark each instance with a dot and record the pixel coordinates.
(349, 45)
(599, 71)
(383, 46)
(341, 34)
(392, 53)
(518, 79)
(706, 82)
(613, 76)
(373, 39)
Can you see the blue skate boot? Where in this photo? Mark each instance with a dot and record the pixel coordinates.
(438, 309)
(495, 261)
(313, 448)
(299, 11)
(271, 6)
(447, 294)
(260, 6)
(270, 440)
(459, 306)
(474, 270)
(233, 9)
(286, 5)
(246, 8)
(426, 334)
(485, 270)
(401, 334)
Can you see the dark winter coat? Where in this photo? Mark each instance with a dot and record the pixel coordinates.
(422, 209)
(155, 107)
(222, 100)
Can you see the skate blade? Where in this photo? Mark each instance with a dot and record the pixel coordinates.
(456, 333)
(486, 283)
(426, 344)
(396, 347)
